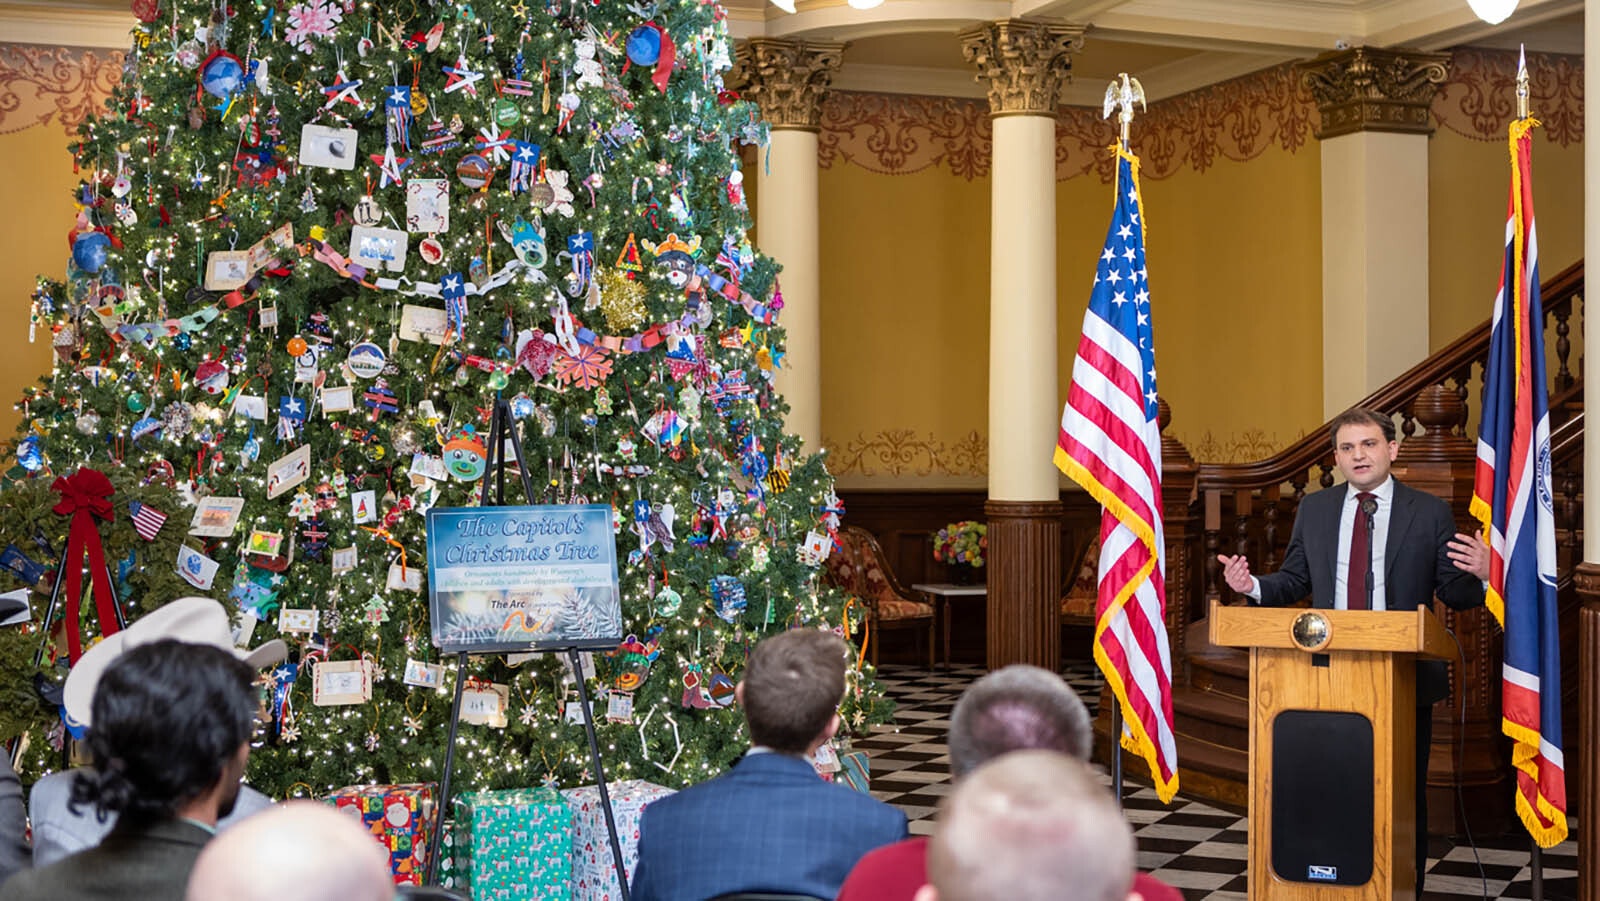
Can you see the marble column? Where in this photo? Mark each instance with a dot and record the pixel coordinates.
(1025, 64)
(1374, 134)
(788, 80)
(1586, 767)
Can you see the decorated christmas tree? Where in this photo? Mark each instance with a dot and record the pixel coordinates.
(318, 240)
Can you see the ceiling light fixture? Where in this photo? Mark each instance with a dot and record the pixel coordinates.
(1493, 11)
(865, 4)
(785, 5)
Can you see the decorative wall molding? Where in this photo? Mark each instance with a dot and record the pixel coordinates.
(897, 134)
(64, 85)
(1246, 447)
(906, 452)
(1479, 98)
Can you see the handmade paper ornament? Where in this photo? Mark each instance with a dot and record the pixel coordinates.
(146, 11)
(222, 75)
(30, 453)
(465, 456)
(212, 377)
(89, 250)
(676, 258)
(527, 242)
(590, 367)
(379, 399)
(177, 419)
(727, 594)
(524, 165)
(667, 602)
(474, 171)
(397, 112)
(366, 360)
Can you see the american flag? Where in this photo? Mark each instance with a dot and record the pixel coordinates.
(147, 520)
(1110, 443)
(1511, 496)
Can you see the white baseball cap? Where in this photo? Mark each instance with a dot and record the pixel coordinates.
(192, 620)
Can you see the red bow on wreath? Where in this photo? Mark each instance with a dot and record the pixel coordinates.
(85, 495)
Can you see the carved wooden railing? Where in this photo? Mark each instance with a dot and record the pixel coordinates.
(1258, 500)
(1249, 509)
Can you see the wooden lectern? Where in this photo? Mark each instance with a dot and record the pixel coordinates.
(1333, 704)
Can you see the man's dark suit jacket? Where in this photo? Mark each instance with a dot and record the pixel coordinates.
(1416, 564)
(771, 824)
(150, 864)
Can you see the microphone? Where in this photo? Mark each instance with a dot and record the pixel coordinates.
(1369, 513)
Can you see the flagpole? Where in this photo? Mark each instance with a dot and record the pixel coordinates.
(1121, 95)
(1535, 854)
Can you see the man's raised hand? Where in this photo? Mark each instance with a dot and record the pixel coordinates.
(1236, 572)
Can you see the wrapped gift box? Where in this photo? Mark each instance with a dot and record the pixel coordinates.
(594, 876)
(399, 817)
(513, 845)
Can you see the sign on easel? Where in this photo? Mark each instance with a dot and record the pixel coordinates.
(533, 578)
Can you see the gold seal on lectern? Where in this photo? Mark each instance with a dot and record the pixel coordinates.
(1311, 631)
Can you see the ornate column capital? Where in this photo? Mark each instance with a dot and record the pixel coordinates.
(1367, 89)
(1025, 63)
(788, 78)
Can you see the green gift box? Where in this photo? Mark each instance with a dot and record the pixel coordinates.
(513, 845)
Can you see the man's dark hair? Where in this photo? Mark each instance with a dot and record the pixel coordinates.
(1017, 708)
(792, 688)
(167, 717)
(1360, 416)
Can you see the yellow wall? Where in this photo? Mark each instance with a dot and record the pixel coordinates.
(36, 195)
(1468, 181)
(905, 320)
(1235, 263)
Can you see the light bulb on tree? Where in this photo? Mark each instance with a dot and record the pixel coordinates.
(1493, 11)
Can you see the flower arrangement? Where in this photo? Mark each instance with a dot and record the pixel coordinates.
(962, 543)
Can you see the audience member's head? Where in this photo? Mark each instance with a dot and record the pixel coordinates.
(170, 733)
(303, 850)
(1030, 826)
(791, 690)
(1016, 708)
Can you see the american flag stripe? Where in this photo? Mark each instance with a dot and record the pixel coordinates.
(1512, 497)
(1110, 444)
(147, 520)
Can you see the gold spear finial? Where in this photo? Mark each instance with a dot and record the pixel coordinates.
(1522, 82)
(1121, 95)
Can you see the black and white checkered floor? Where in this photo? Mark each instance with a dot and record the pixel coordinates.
(1190, 845)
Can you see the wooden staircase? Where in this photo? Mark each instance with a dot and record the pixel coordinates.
(1249, 508)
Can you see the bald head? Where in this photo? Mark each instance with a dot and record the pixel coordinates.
(303, 850)
(1016, 708)
(1026, 827)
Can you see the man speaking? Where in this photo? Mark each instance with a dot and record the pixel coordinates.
(1414, 550)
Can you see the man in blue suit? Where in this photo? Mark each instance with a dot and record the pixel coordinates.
(771, 824)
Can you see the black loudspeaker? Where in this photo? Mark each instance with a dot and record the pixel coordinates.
(1322, 797)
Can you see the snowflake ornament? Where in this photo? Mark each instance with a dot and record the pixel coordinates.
(412, 725)
(311, 21)
(372, 741)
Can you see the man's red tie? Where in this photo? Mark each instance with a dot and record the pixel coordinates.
(1356, 575)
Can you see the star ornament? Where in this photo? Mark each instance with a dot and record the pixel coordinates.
(343, 89)
(461, 78)
(390, 166)
(495, 144)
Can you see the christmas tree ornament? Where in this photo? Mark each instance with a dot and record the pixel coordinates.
(222, 75)
(728, 596)
(622, 301)
(135, 402)
(474, 172)
(465, 456)
(366, 360)
(177, 420)
(182, 341)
